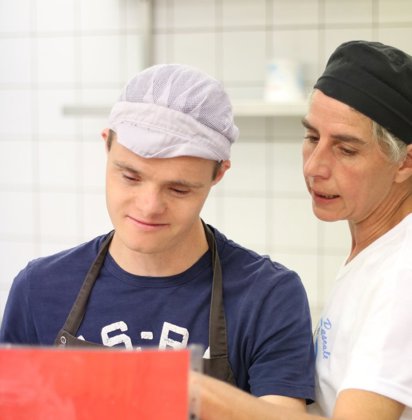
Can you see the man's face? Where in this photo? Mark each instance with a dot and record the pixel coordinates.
(347, 174)
(154, 204)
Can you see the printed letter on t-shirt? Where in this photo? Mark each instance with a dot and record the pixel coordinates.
(113, 340)
(173, 336)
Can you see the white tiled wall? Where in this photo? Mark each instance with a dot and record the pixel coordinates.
(59, 53)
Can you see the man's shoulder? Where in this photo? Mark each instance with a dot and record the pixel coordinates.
(71, 259)
(247, 260)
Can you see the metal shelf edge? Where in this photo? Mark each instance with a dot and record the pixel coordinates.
(240, 109)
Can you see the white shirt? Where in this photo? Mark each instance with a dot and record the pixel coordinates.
(364, 337)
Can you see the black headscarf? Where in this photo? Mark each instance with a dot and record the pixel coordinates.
(376, 80)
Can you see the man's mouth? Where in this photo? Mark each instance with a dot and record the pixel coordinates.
(146, 223)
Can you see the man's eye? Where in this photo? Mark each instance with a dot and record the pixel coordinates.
(180, 191)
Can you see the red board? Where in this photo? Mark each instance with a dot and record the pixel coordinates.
(68, 384)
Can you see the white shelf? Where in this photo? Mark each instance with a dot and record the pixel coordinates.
(269, 109)
(240, 109)
(85, 110)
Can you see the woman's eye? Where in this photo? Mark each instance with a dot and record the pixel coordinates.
(348, 152)
(129, 177)
(310, 138)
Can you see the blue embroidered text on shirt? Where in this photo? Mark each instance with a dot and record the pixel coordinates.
(325, 326)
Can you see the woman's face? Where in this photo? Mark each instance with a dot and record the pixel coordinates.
(346, 172)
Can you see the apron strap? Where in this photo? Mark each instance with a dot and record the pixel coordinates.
(217, 320)
(78, 310)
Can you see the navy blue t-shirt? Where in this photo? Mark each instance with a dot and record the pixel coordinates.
(267, 314)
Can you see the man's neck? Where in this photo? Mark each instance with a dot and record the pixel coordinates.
(169, 262)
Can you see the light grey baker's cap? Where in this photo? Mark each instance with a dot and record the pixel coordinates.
(171, 110)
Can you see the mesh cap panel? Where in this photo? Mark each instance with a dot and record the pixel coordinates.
(185, 90)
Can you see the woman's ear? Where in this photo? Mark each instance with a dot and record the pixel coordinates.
(405, 169)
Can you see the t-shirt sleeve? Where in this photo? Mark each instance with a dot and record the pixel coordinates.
(17, 326)
(381, 356)
(283, 361)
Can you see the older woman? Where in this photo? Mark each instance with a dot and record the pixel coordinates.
(357, 155)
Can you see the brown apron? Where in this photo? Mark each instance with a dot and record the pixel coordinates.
(217, 366)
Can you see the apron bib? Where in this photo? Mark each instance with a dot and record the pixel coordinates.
(217, 366)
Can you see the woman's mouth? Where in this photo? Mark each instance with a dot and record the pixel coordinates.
(326, 196)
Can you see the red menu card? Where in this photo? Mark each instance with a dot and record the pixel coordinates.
(71, 384)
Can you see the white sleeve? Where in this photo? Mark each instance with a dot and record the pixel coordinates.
(381, 355)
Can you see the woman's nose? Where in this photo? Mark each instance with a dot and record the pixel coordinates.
(316, 161)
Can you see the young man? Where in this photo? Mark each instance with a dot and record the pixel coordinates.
(357, 157)
(163, 277)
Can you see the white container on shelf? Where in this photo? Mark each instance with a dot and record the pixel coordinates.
(284, 81)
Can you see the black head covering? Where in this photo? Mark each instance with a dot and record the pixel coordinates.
(376, 80)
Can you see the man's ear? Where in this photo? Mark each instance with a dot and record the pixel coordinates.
(222, 170)
(405, 169)
(105, 137)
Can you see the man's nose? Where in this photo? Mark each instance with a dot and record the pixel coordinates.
(151, 201)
